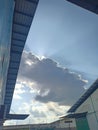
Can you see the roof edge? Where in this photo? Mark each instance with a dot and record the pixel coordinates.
(90, 90)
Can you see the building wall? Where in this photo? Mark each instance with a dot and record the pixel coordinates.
(86, 106)
(29, 127)
(6, 13)
(61, 125)
(66, 128)
(58, 125)
(66, 125)
(91, 106)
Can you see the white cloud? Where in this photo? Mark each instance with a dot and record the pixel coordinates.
(46, 112)
(29, 63)
(18, 91)
(45, 88)
(17, 97)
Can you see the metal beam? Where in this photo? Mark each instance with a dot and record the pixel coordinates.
(21, 24)
(24, 34)
(22, 13)
(32, 1)
(18, 40)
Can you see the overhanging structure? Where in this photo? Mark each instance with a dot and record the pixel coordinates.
(91, 5)
(75, 115)
(23, 15)
(84, 97)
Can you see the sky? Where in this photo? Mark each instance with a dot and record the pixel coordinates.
(59, 61)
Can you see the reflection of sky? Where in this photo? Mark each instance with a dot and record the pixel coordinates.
(66, 33)
(6, 12)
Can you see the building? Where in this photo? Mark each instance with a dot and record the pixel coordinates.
(15, 20)
(64, 123)
(29, 127)
(91, 5)
(85, 110)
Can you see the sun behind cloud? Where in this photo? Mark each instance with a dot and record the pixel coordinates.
(43, 86)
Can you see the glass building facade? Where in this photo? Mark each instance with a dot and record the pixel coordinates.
(6, 15)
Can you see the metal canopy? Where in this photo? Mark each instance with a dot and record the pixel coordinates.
(84, 97)
(91, 5)
(16, 117)
(76, 115)
(23, 14)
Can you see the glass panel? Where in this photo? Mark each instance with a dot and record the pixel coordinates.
(6, 13)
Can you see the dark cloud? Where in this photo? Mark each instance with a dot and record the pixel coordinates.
(55, 83)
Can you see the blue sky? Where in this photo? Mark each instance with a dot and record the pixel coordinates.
(66, 33)
(59, 61)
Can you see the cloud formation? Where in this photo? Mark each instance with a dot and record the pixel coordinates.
(52, 82)
(44, 89)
